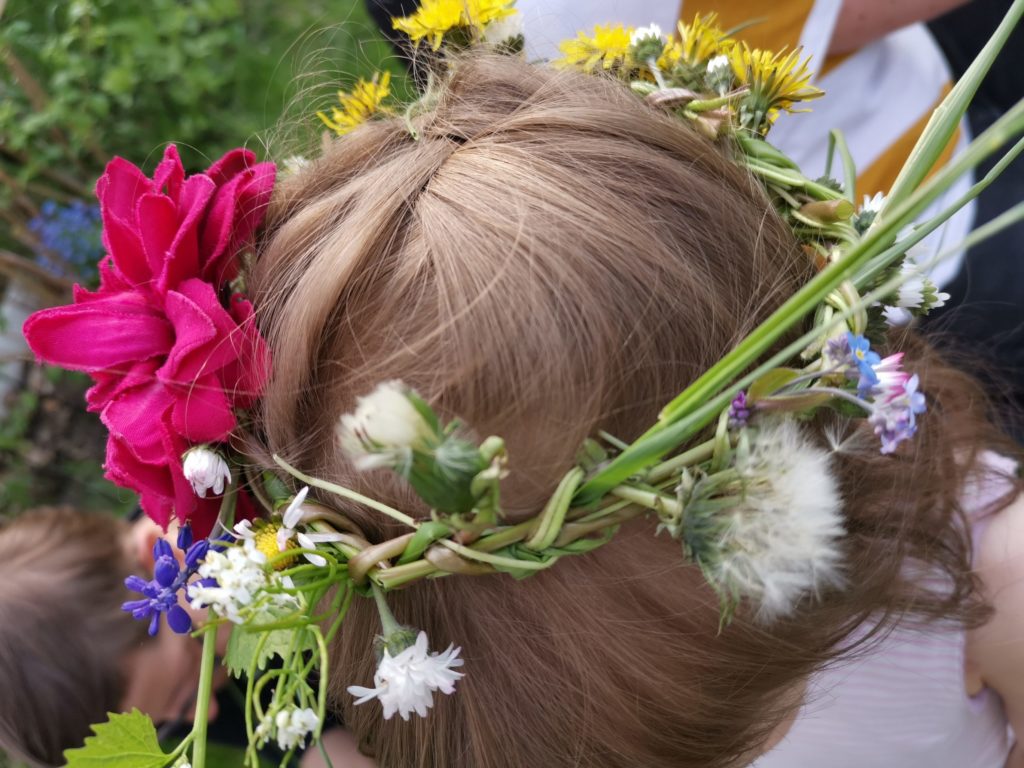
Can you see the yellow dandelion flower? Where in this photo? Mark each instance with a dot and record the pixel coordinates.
(671, 55)
(702, 39)
(777, 81)
(360, 105)
(608, 47)
(435, 18)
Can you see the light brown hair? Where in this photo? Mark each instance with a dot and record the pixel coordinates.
(63, 636)
(550, 257)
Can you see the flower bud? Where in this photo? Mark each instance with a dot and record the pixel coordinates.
(205, 470)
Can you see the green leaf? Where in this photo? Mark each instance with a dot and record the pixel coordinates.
(428, 532)
(243, 645)
(770, 383)
(124, 741)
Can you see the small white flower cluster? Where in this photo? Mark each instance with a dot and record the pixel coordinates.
(291, 727)
(782, 541)
(205, 470)
(916, 292)
(241, 580)
(406, 683)
(384, 429)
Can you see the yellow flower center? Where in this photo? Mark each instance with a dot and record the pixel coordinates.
(266, 542)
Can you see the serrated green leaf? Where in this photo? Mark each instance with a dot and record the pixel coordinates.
(243, 644)
(124, 741)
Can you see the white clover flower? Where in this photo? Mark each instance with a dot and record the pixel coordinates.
(293, 726)
(643, 34)
(406, 683)
(205, 470)
(294, 516)
(781, 540)
(384, 428)
(504, 29)
(236, 579)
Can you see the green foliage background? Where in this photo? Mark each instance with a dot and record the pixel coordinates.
(83, 80)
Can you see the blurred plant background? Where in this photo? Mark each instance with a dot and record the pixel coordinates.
(82, 80)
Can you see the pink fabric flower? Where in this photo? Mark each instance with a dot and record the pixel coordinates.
(171, 351)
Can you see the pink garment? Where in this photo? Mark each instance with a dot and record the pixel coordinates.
(905, 704)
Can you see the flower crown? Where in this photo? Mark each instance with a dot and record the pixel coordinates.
(170, 341)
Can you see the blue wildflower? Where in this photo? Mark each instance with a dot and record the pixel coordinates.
(70, 243)
(865, 361)
(160, 594)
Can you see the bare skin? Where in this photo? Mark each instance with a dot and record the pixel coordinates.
(863, 21)
(995, 651)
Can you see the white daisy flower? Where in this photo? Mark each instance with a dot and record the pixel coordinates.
(406, 683)
(384, 428)
(205, 470)
(294, 516)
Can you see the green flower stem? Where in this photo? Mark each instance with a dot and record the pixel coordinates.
(920, 232)
(694, 407)
(389, 624)
(250, 683)
(202, 717)
(340, 490)
(837, 143)
(945, 119)
(649, 499)
(695, 455)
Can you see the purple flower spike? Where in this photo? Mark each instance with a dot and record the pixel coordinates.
(185, 537)
(739, 411)
(179, 620)
(160, 594)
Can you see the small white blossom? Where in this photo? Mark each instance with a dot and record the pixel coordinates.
(406, 683)
(873, 203)
(241, 579)
(897, 317)
(294, 164)
(293, 726)
(504, 29)
(782, 540)
(642, 34)
(295, 516)
(384, 428)
(205, 470)
(916, 292)
(719, 67)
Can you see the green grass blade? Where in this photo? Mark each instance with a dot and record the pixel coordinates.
(946, 117)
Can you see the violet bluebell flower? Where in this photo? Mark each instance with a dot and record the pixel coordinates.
(160, 594)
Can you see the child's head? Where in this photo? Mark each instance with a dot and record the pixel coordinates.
(63, 636)
(547, 257)
(68, 653)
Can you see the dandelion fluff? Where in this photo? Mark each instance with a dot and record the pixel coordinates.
(781, 541)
